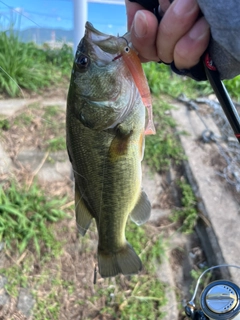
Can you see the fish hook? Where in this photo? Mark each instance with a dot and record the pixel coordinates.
(127, 47)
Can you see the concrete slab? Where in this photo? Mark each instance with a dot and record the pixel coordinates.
(60, 171)
(165, 274)
(151, 184)
(219, 231)
(25, 302)
(9, 107)
(61, 103)
(56, 168)
(5, 161)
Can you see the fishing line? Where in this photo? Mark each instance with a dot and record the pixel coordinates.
(20, 13)
(124, 39)
(14, 82)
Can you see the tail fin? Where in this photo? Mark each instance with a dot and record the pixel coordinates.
(125, 261)
(150, 129)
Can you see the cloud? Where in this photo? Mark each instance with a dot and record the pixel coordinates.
(18, 9)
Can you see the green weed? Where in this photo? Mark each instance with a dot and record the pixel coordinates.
(56, 144)
(50, 112)
(61, 58)
(187, 215)
(27, 66)
(23, 119)
(233, 87)
(26, 216)
(205, 280)
(47, 307)
(145, 301)
(149, 249)
(19, 67)
(4, 124)
(16, 277)
(162, 80)
(163, 147)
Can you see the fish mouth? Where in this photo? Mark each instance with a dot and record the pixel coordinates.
(93, 34)
(92, 43)
(105, 47)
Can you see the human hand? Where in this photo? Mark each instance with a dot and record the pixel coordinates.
(181, 36)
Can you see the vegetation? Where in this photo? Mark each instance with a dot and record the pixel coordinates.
(163, 81)
(187, 215)
(4, 124)
(163, 147)
(26, 66)
(24, 217)
(233, 87)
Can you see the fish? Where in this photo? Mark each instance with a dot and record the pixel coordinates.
(105, 136)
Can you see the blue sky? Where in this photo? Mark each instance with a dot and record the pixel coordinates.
(107, 18)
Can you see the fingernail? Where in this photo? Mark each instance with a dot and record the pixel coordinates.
(200, 30)
(183, 7)
(140, 24)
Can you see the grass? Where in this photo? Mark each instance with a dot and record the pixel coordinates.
(4, 124)
(28, 219)
(233, 87)
(163, 148)
(163, 81)
(26, 215)
(207, 278)
(56, 144)
(26, 66)
(187, 215)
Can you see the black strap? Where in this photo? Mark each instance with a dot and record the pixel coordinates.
(147, 4)
(197, 72)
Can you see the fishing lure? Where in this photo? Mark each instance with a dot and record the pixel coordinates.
(134, 65)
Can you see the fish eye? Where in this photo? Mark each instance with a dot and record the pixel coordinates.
(127, 49)
(82, 62)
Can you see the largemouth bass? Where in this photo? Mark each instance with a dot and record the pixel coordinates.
(105, 139)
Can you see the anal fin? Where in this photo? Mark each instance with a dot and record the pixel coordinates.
(142, 210)
(83, 216)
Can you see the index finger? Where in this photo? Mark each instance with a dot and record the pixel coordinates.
(132, 8)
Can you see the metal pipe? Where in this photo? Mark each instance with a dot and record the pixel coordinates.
(80, 18)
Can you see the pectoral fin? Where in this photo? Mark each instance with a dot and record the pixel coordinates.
(142, 210)
(83, 216)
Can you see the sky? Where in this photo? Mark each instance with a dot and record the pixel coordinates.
(108, 18)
